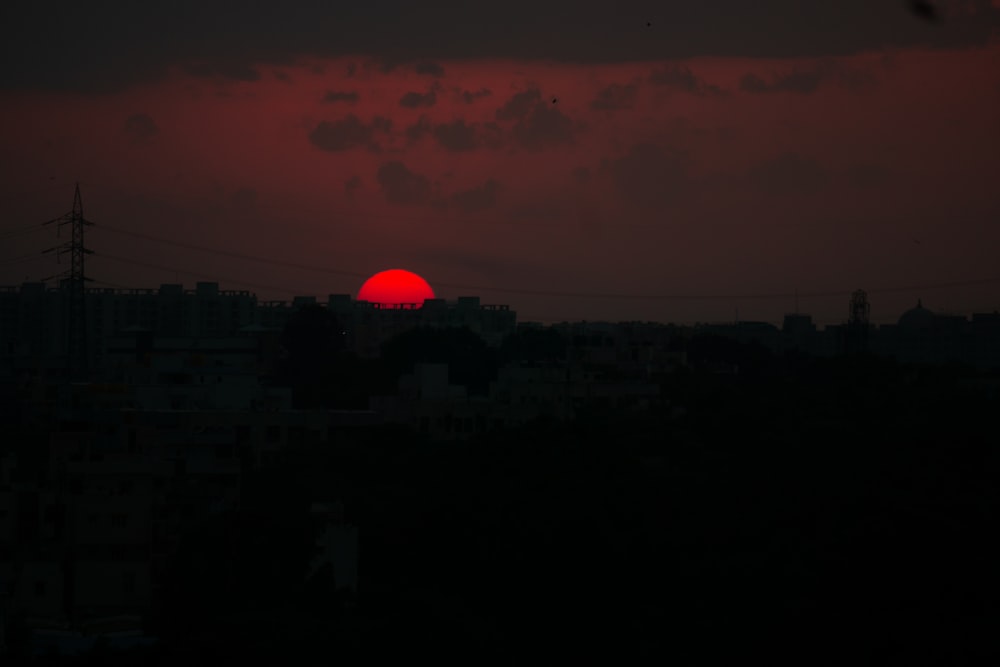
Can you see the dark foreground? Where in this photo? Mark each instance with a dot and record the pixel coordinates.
(834, 512)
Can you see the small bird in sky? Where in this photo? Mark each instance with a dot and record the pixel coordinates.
(925, 10)
(554, 100)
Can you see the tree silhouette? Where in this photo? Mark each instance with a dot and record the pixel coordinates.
(470, 361)
(535, 346)
(313, 341)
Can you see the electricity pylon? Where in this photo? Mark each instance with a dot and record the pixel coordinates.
(74, 280)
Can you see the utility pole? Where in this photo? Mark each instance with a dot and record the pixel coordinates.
(75, 280)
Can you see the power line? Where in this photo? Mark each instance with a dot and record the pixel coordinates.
(110, 284)
(285, 290)
(21, 258)
(235, 255)
(356, 213)
(16, 232)
(536, 292)
(932, 286)
(198, 274)
(555, 293)
(482, 288)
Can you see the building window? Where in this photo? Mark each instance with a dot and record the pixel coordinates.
(119, 520)
(39, 589)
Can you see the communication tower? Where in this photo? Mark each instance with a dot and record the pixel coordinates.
(858, 322)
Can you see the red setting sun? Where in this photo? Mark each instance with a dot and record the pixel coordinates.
(396, 287)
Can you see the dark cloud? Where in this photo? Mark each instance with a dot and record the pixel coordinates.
(402, 186)
(519, 105)
(616, 96)
(682, 80)
(789, 173)
(478, 199)
(456, 136)
(650, 176)
(545, 211)
(384, 65)
(282, 76)
(857, 80)
(237, 71)
(491, 135)
(432, 69)
(352, 185)
(347, 133)
(751, 83)
(129, 42)
(418, 130)
(469, 96)
(805, 81)
(544, 127)
(581, 175)
(416, 100)
(537, 123)
(340, 96)
(140, 127)
(801, 82)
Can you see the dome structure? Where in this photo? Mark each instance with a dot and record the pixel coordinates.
(917, 318)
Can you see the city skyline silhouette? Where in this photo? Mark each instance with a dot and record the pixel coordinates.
(535, 333)
(818, 153)
(268, 292)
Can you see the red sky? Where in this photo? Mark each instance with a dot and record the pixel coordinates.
(715, 178)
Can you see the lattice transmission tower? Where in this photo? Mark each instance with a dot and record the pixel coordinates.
(73, 283)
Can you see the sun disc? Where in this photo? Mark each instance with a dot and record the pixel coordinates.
(396, 287)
